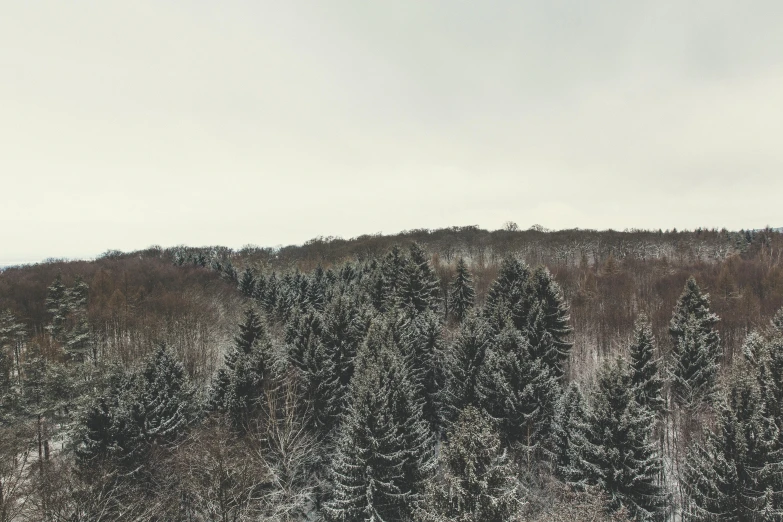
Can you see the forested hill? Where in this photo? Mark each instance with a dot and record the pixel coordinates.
(364, 379)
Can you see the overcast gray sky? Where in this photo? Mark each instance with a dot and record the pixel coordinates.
(127, 124)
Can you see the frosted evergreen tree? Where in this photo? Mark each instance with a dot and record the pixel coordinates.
(462, 296)
(736, 474)
(152, 406)
(695, 367)
(777, 321)
(238, 386)
(645, 368)
(384, 452)
(509, 297)
(392, 278)
(57, 307)
(626, 461)
(247, 282)
(319, 377)
(517, 391)
(556, 321)
(427, 364)
(463, 364)
(696, 346)
(571, 442)
(420, 287)
(476, 480)
(344, 327)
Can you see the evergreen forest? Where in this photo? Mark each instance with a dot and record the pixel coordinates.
(457, 374)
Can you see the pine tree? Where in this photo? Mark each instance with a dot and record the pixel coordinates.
(777, 321)
(57, 306)
(463, 364)
(319, 376)
(384, 451)
(645, 368)
(427, 366)
(517, 391)
(247, 282)
(462, 296)
(556, 320)
(509, 297)
(571, 441)
(238, 386)
(626, 461)
(736, 473)
(393, 278)
(420, 288)
(476, 480)
(695, 367)
(696, 347)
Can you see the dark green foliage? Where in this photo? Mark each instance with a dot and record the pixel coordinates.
(150, 407)
(509, 297)
(517, 391)
(393, 278)
(571, 442)
(696, 347)
(384, 452)
(695, 367)
(462, 296)
(247, 283)
(427, 364)
(238, 386)
(777, 321)
(625, 461)
(736, 473)
(645, 368)
(553, 313)
(476, 481)
(420, 288)
(463, 364)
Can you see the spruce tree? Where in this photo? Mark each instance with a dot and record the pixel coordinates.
(696, 347)
(645, 368)
(420, 288)
(392, 278)
(626, 461)
(427, 365)
(384, 451)
(476, 480)
(509, 297)
(463, 364)
(57, 306)
(736, 474)
(556, 319)
(695, 367)
(571, 441)
(247, 282)
(517, 391)
(238, 386)
(777, 321)
(462, 296)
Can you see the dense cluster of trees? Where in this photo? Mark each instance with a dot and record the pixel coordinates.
(389, 386)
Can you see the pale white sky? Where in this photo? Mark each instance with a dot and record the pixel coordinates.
(127, 124)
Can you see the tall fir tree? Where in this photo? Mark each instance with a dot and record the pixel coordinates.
(777, 321)
(509, 297)
(517, 391)
(384, 452)
(427, 365)
(571, 442)
(392, 278)
(238, 386)
(645, 368)
(247, 282)
(476, 480)
(462, 296)
(736, 473)
(463, 364)
(626, 460)
(695, 367)
(420, 289)
(696, 346)
(556, 319)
